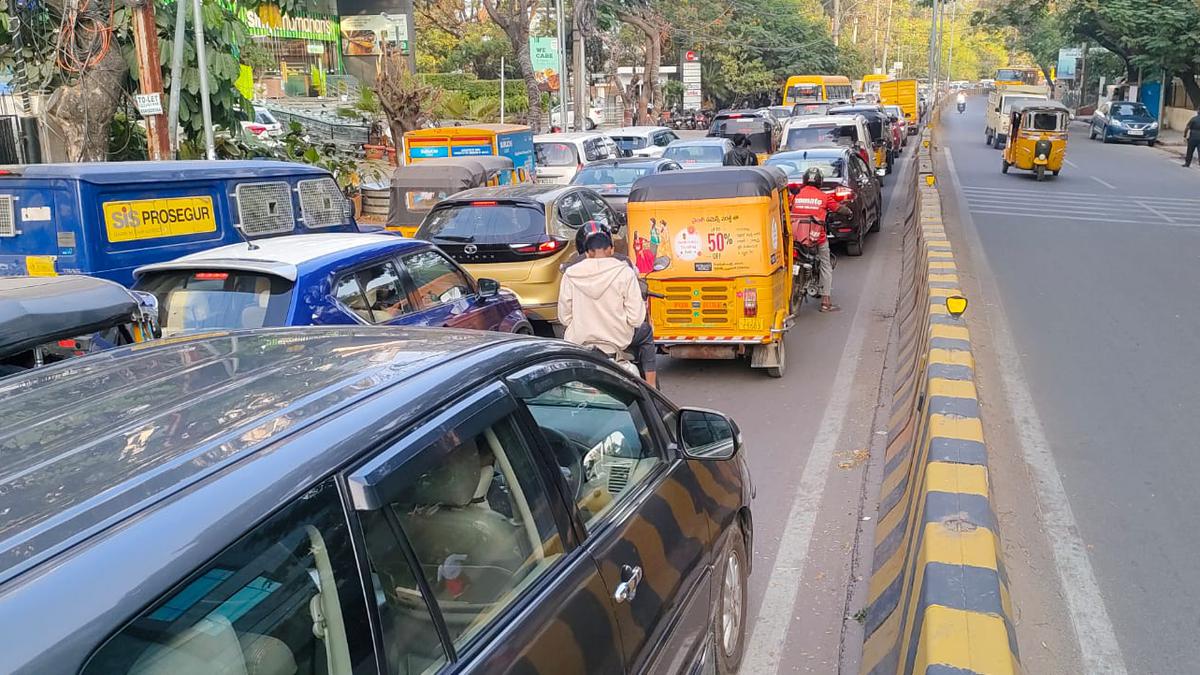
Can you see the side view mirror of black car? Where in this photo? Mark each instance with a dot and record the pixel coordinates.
(708, 434)
(489, 288)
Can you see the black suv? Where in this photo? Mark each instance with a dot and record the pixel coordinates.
(850, 181)
(338, 501)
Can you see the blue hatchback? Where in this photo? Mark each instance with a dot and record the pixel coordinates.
(326, 279)
(342, 501)
(1124, 121)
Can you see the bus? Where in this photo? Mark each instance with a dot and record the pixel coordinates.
(1018, 75)
(817, 89)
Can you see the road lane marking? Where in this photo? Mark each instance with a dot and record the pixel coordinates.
(1052, 216)
(1160, 214)
(1035, 193)
(1094, 632)
(1103, 182)
(1071, 164)
(766, 647)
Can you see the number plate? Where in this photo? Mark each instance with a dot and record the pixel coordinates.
(1135, 132)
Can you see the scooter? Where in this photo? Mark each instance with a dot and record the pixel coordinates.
(961, 107)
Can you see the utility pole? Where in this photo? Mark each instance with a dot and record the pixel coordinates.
(145, 47)
(181, 10)
(210, 146)
(934, 49)
(837, 22)
(887, 39)
(563, 121)
(875, 34)
(950, 49)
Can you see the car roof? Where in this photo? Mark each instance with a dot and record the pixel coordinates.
(183, 170)
(635, 131)
(534, 193)
(631, 161)
(813, 153)
(750, 112)
(286, 256)
(818, 120)
(567, 136)
(725, 182)
(145, 461)
(707, 140)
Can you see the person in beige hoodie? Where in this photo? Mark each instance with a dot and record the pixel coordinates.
(600, 301)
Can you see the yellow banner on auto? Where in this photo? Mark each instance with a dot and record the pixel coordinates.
(131, 220)
(722, 237)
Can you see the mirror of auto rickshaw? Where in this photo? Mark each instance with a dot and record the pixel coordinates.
(956, 305)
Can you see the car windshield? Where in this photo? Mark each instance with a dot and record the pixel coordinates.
(610, 177)
(831, 167)
(815, 136)
(207, 299)
(1122, 110)
(695, 154)
(630, 142)
(555, 154)
(484, 222)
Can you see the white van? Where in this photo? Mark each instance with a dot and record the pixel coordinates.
(1000, 102)
(818, 131)
(558, 157)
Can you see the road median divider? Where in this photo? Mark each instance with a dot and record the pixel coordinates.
(938, 598)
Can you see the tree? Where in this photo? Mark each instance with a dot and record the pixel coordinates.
(1034, 28)
(514, 18)
(406, 100)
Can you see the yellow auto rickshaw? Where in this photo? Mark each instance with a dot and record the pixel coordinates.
(417, 188)
(715, 244)
(1038, 138)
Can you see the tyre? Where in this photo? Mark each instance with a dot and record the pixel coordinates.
(854, 248)
(588, 124)
(878, 220)
(1107, 138)
(523, 329)
(772, 371)
(1151, 144)
(990, 138)
(1092, 133)
(1003, 166)
(729, 627)
(1040, 171)
(1056, 172)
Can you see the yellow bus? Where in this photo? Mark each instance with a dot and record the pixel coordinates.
(870, 82)
(817, 89)
(1018, 75)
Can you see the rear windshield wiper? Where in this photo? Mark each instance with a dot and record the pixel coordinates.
(463, 238)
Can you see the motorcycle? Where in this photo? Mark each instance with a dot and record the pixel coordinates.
(622, 357)
(806, 268)
(961, 108)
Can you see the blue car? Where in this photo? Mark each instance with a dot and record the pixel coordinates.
(340, 501)
(326, 279)
(1124, 121)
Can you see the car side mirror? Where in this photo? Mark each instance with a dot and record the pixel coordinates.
(708, 434)
(489, 288)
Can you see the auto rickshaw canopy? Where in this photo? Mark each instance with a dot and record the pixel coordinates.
(417, 188)
(37, 310)
(1041, 116)
(717, 183)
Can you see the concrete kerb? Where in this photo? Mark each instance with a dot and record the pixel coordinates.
(938, 598)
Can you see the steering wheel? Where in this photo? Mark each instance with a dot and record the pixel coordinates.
(569, 455)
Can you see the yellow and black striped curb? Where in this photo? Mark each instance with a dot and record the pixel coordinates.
(938, 599)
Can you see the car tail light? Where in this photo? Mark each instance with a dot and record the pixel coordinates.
(68, 344)
(866, 157)
(842, 193)
(483, 203)
(255, 128)
(210, 276)
(553, 245)
(750, 303)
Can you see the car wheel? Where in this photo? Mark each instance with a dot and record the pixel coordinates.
(523, 329)
(1040, 172)
(1107, 138)
(1056, 172)
(729, 627)
(1150, 144)
(1092, 132)
(588, 124)
(854, 248)
(878, 220)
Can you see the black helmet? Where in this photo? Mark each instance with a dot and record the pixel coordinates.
(813, 176)
(590, 230)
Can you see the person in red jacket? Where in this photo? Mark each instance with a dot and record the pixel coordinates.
(812, 201)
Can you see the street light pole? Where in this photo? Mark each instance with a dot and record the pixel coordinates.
(562, 67)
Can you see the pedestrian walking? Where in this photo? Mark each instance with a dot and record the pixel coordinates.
(1192, 133)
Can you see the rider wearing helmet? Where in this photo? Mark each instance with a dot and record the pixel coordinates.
(813, 202)
(600, 299)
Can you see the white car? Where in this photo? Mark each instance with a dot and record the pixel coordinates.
(817, 131)
(558, 157)
(595, 116)
(643, 141)
(264, 124)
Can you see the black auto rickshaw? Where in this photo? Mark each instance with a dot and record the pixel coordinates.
(761, 129)
(417, 188)
(48, 319)
(880, 129)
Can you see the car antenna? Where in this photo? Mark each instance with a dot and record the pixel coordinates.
(250, 245)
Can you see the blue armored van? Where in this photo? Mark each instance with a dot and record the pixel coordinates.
(107, 218)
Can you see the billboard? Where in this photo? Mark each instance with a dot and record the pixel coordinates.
(1067, 58)
(366, 34)
(543, 53)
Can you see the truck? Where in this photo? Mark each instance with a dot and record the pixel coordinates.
(1000, 101)
(104, 219)
(514, 141)
(904, 94)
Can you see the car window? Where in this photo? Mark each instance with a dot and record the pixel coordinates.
(555, 153)
(477, 520)
(285, 598)
(571, 210)
(597, 209)
(380, 296)
(436, 280)
(600, 439)
(486, 221)
(206, 299)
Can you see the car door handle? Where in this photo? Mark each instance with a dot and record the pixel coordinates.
(627, 589)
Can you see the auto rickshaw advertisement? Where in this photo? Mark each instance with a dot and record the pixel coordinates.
(726, 238)
(154, 218)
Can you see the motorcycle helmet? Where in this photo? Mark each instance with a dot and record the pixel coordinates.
(814, 177)
(590, 231)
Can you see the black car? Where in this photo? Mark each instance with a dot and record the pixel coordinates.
(353, 500)
(613, 178)
(850, 180)
(879, 125)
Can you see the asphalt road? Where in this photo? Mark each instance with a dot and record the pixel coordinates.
(1085, 300)
(808, 438)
